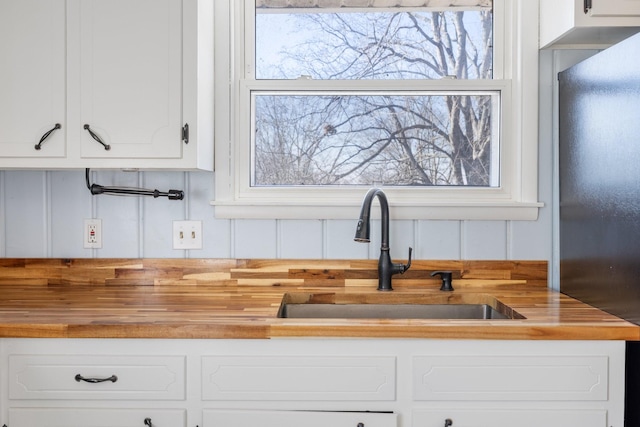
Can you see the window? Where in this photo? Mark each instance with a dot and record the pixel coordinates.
(330, 97)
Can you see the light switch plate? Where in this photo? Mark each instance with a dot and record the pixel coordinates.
(187, 234)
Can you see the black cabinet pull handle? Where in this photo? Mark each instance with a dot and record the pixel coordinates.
(185, 133)
(147, 422)
(97, 138)
(448, 422)
(112, 378)
(46, 135)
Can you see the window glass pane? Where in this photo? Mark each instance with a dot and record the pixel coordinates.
(405, 43)
(337, 138)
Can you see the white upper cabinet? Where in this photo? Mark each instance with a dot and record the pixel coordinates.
(130, 78)
(614, 7)
(130, 82)
(32, 78)
(587, 23)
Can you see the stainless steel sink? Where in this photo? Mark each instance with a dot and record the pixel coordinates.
(390, 311)
(335, 306)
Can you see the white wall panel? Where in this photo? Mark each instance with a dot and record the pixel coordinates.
(526, 241)
(300, 239)
(25, 207)
(339, 243)
(216, 232)
(120, 226)
(71, 203)
(254, 239)
(484, 240)
(3, 205)
(402, 237)
(437, 240)
(42, 213)
(157, 237)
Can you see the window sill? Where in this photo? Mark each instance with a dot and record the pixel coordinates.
(268, 209)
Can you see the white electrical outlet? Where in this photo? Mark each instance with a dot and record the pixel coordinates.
(187, 234)
(92, 233)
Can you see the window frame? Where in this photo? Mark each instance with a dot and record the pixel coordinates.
(515, 77)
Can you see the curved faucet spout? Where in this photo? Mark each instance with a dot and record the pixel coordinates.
(362, 230)
(386, 268)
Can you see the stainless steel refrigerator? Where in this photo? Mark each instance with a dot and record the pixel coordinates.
(599, 129)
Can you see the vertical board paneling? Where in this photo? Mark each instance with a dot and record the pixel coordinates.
(438, 240)
(71, 203)
(254, 239)
(339, 243)
(484, 240)
(401, 238)
(141, 227)
(119, 214)
(3, 224)
(26, 214)
(300, 239)
(216, 232)
(527, 241)
(157, 237)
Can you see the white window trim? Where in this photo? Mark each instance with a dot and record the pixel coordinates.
(516, 78)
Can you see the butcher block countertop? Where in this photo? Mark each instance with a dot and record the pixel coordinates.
(230, 298)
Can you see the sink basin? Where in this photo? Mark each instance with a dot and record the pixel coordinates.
(403, 306)
(390, 311)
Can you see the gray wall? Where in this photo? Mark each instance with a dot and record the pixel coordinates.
(42, 212)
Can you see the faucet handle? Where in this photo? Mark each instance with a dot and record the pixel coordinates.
(408, 264)
(401, 268)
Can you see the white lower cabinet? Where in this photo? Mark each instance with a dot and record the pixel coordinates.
(311, 383)
(297, 419)
(84, 417)
(509, 418)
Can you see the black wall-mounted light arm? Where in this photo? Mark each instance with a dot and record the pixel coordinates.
(120, 191)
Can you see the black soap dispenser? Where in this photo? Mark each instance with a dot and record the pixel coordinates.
(446, 280)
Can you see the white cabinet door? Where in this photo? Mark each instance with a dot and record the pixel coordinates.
(130, 78)
(615, 8)
(248, 418)
(32, 77)
(509, 418)
(75, 417)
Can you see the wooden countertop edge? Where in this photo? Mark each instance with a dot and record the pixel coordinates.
(267, 330)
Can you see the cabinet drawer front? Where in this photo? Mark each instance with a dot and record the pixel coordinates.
(575, 378)
(88, 417)
(298, 378)
(509, 418)
(298, 418)
(54, 377)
